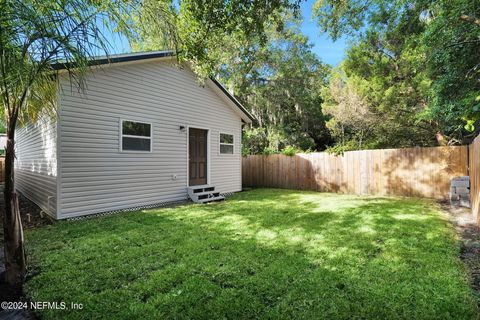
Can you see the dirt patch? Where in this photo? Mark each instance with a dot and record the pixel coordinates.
(469, 234)
(32, 215)
(471, 254)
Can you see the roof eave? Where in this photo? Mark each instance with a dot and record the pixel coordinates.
(115, 59)
(249, 117)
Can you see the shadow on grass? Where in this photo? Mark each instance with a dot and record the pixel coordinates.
(262, 254)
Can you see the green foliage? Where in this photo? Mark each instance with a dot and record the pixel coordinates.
(452, 39)
(347, 145)
(155, 26)
(257, 49)
(263, 254)
(280, 84)
(254, 141)
(34, 34)
(382, 86)
(206, 33)
(259, 140)
(207, 27)
(414, 64)
(269, 150)
(290, 151)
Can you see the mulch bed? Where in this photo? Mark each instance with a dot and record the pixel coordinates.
(470, 253)
(32, 215)
(469, 234)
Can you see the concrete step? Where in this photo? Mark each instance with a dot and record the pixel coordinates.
(213, 199)
(201, 188)
(204, 193)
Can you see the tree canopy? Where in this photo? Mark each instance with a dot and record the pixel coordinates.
(204, 32)
(413, 64)
(410, 76)
(281, 84)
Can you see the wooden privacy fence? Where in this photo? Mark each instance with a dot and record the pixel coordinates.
(2, 169)
(474, 166)
(422, 172)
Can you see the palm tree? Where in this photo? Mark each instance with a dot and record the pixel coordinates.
(34, 34)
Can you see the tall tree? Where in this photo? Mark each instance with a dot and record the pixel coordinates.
(418, 60)
(257, 49)
(452, 41)
(206, 30)
(352, 120)
(385, 68)
(280, 84)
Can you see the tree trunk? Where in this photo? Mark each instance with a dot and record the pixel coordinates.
(15, 262)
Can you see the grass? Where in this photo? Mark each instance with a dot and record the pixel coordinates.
(264, 253)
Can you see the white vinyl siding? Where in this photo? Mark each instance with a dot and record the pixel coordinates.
(96, 176)
(36, 163)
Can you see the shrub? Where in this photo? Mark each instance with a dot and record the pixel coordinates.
(269, 150)
(290, 151)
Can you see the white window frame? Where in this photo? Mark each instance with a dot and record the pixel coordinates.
(137, 137)
(220, 143)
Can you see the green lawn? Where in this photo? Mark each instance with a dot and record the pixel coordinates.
(261, 254)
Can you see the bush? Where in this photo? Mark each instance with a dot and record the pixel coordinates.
(254, 141)
(290, 151)
(269, 150)
(272, 141)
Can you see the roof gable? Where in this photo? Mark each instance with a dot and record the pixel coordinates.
(218, 88)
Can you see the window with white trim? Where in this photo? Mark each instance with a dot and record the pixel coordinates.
(226, 143)
(136, 136)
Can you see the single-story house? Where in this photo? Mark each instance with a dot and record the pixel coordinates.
(142, 132)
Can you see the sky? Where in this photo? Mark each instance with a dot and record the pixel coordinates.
(327, 50)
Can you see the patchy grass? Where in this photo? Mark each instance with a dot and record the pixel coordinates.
(262, 254)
